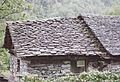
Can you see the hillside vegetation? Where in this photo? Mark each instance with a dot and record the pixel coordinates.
(67, 8)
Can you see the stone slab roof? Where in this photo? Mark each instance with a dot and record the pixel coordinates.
(60, 36)
(107, 29)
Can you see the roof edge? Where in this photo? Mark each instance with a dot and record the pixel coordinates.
(81, 17)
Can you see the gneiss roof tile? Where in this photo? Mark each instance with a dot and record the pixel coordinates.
(107, 30)
(54, 37)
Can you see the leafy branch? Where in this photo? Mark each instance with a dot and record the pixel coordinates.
(14, 12)
(4, 2)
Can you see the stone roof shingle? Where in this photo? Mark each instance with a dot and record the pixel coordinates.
(59, 36)
(107, 29)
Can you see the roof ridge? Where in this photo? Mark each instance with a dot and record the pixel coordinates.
(43, 20)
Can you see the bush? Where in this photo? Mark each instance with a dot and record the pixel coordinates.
(99, 76)
(4, 59)
(94, 76)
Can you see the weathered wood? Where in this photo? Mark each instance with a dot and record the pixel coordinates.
(36, 60)
(86, 64)
(60, 57)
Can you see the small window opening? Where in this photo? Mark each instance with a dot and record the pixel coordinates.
(77, 66)
(18, 65)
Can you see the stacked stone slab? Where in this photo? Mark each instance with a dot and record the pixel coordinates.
(54, 37)
(107, 30)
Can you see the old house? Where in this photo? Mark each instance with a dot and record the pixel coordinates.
(61, 46)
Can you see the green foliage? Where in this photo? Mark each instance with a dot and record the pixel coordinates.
(9, 10)
(99, 76)
(35, 79)
(9, 7)
(94, 76)
(68, 8)
(114, 9)
(2, 32)
(4, 59)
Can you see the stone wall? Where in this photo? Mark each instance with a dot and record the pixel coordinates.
(114, 67)
(55, 70)
(43, 70)
(15, 73)
(98, 65)
(52, 70)
(13, 68)
(23, 66)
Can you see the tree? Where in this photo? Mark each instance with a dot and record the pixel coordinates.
(114, 9)
(9, 7)
(68, 8)
(9, 10)
(4, 59)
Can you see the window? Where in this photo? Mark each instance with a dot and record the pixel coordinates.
(18, 65)
(77, 66)
(80, 63)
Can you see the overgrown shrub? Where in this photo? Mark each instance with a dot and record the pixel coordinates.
(94, 76)
(4, 59)
(99, 76)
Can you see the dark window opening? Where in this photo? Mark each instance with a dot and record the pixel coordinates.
(77, 66)
(18, 65)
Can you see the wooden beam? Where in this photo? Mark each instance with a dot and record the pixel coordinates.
(116, 58)
(86, 65)
(61, 57)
